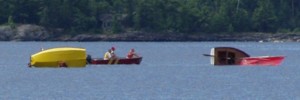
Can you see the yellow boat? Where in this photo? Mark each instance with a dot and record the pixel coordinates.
(59, 57)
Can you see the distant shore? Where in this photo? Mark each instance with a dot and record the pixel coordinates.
(37, 33)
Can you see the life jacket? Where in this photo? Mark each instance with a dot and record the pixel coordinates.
(130, 55)
(107, 56)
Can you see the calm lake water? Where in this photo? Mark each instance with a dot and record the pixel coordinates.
(169, 70)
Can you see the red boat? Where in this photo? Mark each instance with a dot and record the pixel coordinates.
(262, 60)
(116, 61)
(233, 56)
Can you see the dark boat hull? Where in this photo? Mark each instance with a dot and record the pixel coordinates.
(116, 61)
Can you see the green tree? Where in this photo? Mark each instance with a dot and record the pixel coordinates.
(264, 17)
(241, 19)
(24, 11)
(4, 11)
(11, 22)
(158, 16)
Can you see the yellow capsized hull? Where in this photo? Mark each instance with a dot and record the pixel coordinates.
(72, 57)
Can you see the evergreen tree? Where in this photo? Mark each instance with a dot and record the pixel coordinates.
(159, 16)
(264, 17)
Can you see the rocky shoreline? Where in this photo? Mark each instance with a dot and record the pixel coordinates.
(28, 32)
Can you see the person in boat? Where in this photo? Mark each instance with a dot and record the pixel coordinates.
(131, 54)
(113, 54)
(107, 55)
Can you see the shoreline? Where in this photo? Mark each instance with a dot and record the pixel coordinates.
(29, 32)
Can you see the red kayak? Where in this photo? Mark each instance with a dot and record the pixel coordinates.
(116, 61)
(262, 60)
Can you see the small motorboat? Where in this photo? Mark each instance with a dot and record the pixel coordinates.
(97, 61)
(233, 56)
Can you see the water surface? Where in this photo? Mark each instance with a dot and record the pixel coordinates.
(169, 70)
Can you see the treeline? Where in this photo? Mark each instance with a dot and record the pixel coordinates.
(176, 16)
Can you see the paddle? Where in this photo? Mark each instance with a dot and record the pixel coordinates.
(208, 55)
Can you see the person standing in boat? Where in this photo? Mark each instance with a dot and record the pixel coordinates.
(107, 55)
(131, 54)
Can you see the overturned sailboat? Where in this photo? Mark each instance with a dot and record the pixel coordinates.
(233, 56)
(59, 57)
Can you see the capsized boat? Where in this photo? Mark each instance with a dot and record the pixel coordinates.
(59, 57)
(116, 61)
(233, 56)
(262, 60)
(226, 56)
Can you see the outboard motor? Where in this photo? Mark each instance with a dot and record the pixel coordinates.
(89, 59)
